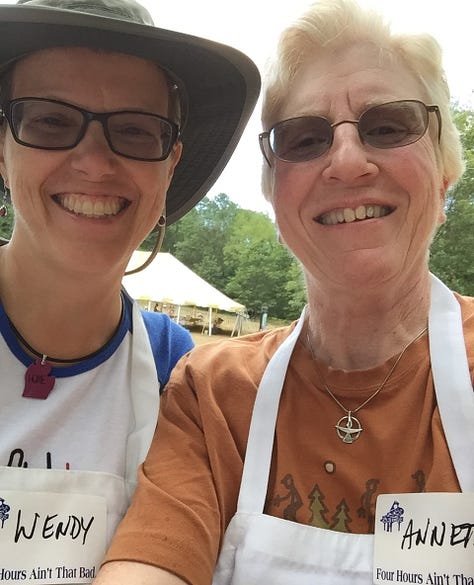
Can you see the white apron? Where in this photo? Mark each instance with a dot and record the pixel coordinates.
(114, 490)
(259, 548)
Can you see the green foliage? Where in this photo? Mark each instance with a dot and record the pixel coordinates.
(6, 223)
(296, 289)
(263, 271)
(452, 251)
(261, 278)
(199, 238)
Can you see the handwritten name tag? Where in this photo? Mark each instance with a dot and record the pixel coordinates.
(425, 539)
(49, 538)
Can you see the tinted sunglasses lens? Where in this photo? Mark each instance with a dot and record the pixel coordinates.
(394, 124)
(45, 124)
(301, 139)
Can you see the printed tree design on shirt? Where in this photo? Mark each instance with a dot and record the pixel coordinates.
(341, 518)
(293, 497)
(318, 508)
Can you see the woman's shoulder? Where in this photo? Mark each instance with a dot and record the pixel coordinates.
(161, 326)
(169, 342)
(224, 376)
(247, 349)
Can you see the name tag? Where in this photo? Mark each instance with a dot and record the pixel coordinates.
(49, 538)
(425, 539)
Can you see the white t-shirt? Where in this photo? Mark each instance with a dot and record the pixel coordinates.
(79, 426)
(86, 419)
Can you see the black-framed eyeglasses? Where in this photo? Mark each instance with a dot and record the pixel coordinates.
(56, 125)
(388, 125)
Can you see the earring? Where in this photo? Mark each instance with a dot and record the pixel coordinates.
(162, 221)
(161, 224)
(6, 197)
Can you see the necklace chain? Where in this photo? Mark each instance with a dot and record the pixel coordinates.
(349, 433)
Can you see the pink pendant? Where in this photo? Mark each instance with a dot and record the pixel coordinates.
(37, 382)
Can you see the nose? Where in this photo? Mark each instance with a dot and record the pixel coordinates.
(93, 155)
(347, 158)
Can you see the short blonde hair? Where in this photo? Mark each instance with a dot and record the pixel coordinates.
(332, 24)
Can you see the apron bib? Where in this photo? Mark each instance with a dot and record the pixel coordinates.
(259, 548)
(52, 515)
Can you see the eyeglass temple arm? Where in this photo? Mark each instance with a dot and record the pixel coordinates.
(261, 139)
(435, 109)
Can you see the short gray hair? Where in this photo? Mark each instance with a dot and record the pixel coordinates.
(338, 23)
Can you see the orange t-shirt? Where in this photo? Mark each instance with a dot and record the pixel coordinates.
(189, 484)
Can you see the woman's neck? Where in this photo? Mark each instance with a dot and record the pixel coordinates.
(63, 315)
(359, 330)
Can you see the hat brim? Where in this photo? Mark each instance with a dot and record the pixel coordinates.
(222, 84)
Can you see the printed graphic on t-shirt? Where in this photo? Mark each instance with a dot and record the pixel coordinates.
(292, 499)
(18, 458)
(288, 503)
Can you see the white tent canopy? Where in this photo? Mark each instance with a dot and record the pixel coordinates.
(167, 280)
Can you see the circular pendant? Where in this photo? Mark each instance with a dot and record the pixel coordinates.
(348, 428)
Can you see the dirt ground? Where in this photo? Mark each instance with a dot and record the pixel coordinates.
(201, 339)
(250, 326)
(223, 331)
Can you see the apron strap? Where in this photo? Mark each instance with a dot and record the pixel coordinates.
(452, 380)
(145, 398)
(258, 456)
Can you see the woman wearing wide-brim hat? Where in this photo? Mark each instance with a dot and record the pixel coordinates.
(110, 127)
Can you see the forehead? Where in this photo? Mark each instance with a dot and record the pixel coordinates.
(349, 78)
(81, 71)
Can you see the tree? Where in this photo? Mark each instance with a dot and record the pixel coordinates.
(341, 518)
(199, 238)
(318, 508)
(6, 222)
(261, 278)
(296, 289)
(263, 272)
(452, 251)
(249, 228)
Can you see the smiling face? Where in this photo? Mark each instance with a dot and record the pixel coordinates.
(87, 205)
(357, 214)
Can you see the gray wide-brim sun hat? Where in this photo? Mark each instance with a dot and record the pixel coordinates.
(221, 83)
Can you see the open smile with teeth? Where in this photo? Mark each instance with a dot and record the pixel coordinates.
(348, 215)
(92, 207)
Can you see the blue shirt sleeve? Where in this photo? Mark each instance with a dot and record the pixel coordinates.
(169, 341)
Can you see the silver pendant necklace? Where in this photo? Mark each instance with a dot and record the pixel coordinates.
(348, 427)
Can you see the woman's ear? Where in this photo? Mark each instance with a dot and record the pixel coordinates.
(174, 158)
